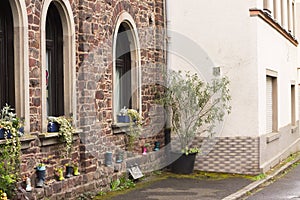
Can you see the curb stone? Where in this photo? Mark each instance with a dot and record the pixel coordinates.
(252, 186)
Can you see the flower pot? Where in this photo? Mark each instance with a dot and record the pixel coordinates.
(108, 158)
(53, 127)
(119, 157)
(184, 164)
(41, 174)
(123, 118)
(28, 185)
(21, 131)
(2, 133)
(69, 171)
(60, 175)
(76, 171)
(144, 150)
(156, 146)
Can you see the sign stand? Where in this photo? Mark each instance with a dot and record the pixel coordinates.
(135, 171)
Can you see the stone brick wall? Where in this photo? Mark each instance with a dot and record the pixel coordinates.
(96, 26)
(34, 35)
(95, 23)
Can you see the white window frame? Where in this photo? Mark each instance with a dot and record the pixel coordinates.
(274, 126)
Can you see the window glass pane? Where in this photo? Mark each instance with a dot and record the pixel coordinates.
(123, 90)
(54, 46)
(7, 82)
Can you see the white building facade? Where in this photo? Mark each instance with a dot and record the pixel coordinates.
(253, 42)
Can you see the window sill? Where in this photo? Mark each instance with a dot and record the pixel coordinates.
(47, 139)
(121, 128)
(271, 137)
(294, 129)
(25, 140)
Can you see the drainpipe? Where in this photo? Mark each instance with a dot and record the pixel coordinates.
(166, 50)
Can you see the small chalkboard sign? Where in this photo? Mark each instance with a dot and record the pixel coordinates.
(135, 172)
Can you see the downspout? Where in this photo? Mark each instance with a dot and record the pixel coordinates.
(166, 50)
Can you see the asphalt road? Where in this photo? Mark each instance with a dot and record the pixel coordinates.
(186, 189)
(285, 188)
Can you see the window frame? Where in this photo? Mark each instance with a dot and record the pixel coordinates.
(21, 60)
(8, 80)
(55, 72)
(69, 59)
(293, 104)
(273, 75)
(132, 34)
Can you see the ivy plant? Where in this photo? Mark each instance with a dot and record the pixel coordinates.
(66, 131)
(10, 150)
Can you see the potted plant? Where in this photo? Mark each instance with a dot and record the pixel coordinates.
(123, 117)
(69, 170)
(145, 148)
(135, 125)
(119, 156)
(59, 173)
(65, 131)
(156, 146)
(194, 106)
(10, 124)
(10, 150)
(134, 119)
(41, 175)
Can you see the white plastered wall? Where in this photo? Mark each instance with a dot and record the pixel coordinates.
(225, 37)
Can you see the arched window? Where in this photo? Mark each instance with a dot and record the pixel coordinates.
(7, 80)
(54, 63)
(58, 60)
(127, 89)
(123, 69)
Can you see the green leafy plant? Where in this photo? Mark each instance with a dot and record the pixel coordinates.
(115, 184)
(259, 177)
(66, 131)
(147, 145)
(121, 184)
(195, 105)
(40, 165)
(126, 183)
(135, 125)
(10, 150)
(101, 193)
(135, 116)
(190, 150)
(10, 122)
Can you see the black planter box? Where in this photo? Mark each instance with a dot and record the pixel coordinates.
(184, 164)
